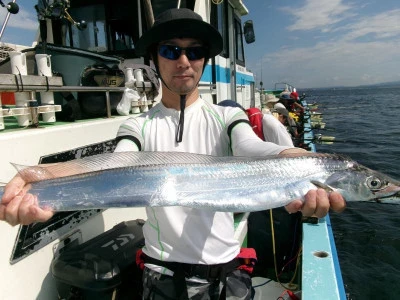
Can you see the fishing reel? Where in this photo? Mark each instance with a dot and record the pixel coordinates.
(57, 10)
(12, 7)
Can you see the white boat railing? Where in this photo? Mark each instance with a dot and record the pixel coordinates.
(34, 83)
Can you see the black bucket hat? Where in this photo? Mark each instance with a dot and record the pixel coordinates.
(180, 23)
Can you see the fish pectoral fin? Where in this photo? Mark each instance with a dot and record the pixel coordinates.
(321, 185)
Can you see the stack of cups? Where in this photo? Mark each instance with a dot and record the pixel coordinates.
(138, 73)
(19, 67)
(43, 63)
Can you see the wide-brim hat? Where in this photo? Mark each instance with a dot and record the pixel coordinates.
(281, 109)
(180, 23)
(271, 98)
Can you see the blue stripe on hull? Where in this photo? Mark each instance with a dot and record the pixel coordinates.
(223, 76)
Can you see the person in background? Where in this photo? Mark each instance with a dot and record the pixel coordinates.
(270, 101)
(291, 102)
(265, 125)
(296, 104)
(287, 121)
(189, 253)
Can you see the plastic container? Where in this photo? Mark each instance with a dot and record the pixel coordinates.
(103, 267)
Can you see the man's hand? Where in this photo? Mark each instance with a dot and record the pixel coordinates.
(19, 207)
(317, 203)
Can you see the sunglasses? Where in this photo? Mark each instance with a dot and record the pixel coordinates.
(174, 52)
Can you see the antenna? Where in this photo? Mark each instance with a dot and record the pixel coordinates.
(261, 82)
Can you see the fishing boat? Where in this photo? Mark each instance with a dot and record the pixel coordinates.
(281, 87)
(73, 254)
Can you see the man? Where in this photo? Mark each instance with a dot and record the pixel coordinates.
(271, 100)
(198, 245)
(287, 121)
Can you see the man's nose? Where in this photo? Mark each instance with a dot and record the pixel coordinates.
(183, 59)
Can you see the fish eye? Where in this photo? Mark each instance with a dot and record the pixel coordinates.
(374, 183)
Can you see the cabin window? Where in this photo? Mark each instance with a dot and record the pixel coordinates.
(113, 26)
(219, 21)
(239, 50)
(161, 5)
(93, 37)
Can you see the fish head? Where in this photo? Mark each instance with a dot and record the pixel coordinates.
(359, 183)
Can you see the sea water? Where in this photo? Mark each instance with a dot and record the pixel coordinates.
(366, 124)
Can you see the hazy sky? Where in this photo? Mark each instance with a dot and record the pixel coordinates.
(309, 43)
(319, 43)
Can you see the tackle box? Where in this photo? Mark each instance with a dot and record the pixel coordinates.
(103, 267)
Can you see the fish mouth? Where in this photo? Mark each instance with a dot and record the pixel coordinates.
(395, 195)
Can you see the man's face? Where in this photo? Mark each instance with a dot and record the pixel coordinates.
(181, 75)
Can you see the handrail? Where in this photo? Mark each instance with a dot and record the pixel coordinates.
(26, 83)
(36, 83)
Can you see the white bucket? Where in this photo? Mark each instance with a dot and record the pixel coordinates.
(43, 63)
(19, 66)
(18, 63)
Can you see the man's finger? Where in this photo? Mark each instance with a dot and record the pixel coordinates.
(38, 215)
(294, 206)
(13, 188)
(30, 212)
(310, 203)
(338, 204)
(323, 204)
(11, 211)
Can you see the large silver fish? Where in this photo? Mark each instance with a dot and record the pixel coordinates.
(234, 184)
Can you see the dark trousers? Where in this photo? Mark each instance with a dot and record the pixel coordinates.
(157, 286)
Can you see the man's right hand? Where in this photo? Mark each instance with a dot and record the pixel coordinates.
(17, 206)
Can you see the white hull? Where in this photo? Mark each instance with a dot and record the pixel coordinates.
(30, 278)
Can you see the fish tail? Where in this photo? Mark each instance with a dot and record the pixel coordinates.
(34, 173)
(18, 167)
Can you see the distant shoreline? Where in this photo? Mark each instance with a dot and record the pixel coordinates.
(395, 84)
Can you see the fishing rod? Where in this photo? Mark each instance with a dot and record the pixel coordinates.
(319, 129)
(352, 107)
(323, 139)
(329, 140)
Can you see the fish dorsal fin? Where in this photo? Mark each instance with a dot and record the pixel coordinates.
(111, 160)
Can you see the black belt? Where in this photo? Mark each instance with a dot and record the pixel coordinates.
(183, 270)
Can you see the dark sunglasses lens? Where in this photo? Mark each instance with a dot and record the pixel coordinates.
(170, 52)
(194, 53)
(173, 52)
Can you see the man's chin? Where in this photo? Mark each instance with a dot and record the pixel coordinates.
(184, 90)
